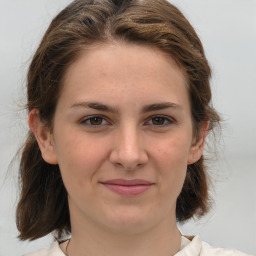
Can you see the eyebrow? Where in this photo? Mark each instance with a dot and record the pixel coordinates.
(96, 106)
(145, 109)
(160, 106)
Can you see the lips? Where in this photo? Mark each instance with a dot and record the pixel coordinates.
(128, 187)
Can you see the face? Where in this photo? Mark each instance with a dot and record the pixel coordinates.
(122, 137)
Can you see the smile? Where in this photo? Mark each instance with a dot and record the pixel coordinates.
(128, 187)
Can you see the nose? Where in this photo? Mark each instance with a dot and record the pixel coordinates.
(128, 149)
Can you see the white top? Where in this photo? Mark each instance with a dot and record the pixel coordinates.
(195, 247)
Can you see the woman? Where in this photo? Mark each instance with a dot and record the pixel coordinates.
(119, 109)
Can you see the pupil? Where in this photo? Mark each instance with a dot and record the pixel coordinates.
(96, 120)
(158, 120)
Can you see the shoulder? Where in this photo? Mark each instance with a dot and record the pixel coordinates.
(215, 251)
(54, 250)
(198, 247)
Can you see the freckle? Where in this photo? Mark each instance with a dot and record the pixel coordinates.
(163, 152)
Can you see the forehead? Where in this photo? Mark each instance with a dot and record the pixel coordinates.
(129, 55)
(127, 69)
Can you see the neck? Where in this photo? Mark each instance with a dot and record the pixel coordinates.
(88, 240)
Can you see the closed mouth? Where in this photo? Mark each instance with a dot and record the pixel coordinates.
(128, 187)
(125, 182)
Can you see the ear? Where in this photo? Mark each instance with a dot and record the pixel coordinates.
(197, 148)
(43, 136)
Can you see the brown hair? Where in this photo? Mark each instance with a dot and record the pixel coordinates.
(43, 205)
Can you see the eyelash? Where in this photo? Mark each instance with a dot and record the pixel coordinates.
(167, 121)
(89, 118)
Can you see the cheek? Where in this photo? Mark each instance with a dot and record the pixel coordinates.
(171, 159)
(79, 157)
(174, 150)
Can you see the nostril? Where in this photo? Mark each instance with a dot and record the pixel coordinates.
(128, 160)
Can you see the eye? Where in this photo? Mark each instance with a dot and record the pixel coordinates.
(159, 120)
(94, 121)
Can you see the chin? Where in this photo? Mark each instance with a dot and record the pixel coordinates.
(130, 221)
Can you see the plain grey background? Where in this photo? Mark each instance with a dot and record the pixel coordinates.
(228, 32)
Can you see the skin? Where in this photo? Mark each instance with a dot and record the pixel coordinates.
(125, 141)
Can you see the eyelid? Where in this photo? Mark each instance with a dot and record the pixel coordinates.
(170, 120)
(83, 120)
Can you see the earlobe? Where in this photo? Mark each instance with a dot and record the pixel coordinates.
(43, 136)
(196, 150)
